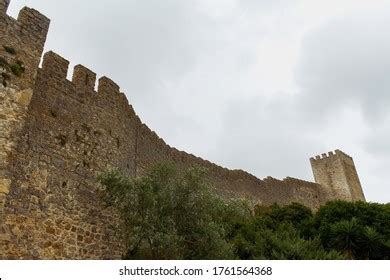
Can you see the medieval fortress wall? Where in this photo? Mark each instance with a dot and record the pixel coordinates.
(56, 135)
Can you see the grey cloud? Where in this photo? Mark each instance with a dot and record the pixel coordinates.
(189, 69)
(344, 68)
(346, 63)
(376, 141)
(266, 137)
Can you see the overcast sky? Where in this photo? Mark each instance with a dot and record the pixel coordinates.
(249, 84)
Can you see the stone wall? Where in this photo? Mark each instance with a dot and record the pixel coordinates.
(13, 112)
(57, 135)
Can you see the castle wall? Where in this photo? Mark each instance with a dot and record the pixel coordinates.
(21, 46)
(71, 133)
(57, 135)
(13, 112)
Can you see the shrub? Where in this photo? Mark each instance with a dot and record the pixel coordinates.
(18, 68)
(175, 215)
(167, 215)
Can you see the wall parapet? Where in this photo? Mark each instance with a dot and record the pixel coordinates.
(56, 67)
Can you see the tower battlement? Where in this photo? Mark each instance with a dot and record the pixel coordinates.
(337, 172)
(331, 156)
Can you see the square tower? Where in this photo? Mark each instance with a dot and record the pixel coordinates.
(337, 173)
(22, 41)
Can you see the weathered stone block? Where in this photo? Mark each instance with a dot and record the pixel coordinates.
(24, 97)
(5, 185)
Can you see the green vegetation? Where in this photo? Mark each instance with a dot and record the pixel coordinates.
(18, 68)
(168, 216)
(171, 215)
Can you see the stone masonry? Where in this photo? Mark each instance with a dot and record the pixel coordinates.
(56, 135)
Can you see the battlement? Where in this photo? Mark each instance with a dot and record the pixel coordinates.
(30, 22)
(56, 68)
(84, 78)
(331, 155)
(33, 23)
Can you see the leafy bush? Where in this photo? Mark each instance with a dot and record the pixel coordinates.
(257, 241)
(360, 230)
(17, 68)
(174, 215)
(171, 216)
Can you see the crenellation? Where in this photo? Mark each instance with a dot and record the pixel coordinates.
(107, 86)
(54, 66)
(33, 23)
(341, 153)
(124, 102)
(84, 79)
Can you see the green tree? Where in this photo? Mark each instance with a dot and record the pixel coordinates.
(255, 240)
(346, 237)
(360, 230)
(168, 215)
(300, 216)
(372, 245)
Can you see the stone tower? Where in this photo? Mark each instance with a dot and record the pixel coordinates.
(337, 172)
(21, 44)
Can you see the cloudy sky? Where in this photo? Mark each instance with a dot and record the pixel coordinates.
(249, 84)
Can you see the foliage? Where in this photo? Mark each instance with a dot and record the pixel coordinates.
(18, 68)
(171, 216)
(359, 229)
(346, 237)
(175, 215)
(257, 241)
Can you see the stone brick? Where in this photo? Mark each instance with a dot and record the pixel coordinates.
(5, 185)
(23, 97)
